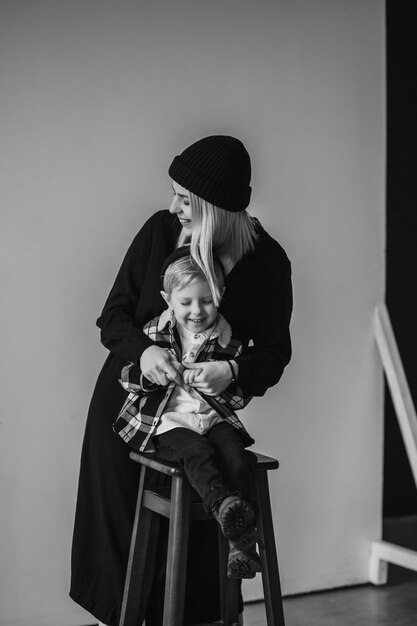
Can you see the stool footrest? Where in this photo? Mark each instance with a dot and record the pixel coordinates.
(161, 504)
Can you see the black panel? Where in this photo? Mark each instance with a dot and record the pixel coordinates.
(400, 493)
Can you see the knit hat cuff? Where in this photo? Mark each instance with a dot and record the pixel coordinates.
(221, 196)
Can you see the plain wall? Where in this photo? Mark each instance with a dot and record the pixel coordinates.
(96, 99)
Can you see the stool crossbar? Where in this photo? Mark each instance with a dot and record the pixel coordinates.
(176, 504)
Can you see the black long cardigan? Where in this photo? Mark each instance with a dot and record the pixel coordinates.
(257, 304)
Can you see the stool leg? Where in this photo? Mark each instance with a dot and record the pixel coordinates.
(177, 552)
(270, 573)
(228, 586)
(141, 559)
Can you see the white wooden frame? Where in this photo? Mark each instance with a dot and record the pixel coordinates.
(383, 552)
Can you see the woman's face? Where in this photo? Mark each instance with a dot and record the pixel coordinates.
(181, 206)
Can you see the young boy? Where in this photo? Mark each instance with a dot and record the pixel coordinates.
(202, 433)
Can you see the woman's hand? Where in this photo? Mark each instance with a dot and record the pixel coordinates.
(160, 367)
(209, 377)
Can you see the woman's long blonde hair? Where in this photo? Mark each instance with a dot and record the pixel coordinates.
(228, 233)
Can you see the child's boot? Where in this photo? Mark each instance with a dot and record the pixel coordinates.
(235, 516)
(244, 561)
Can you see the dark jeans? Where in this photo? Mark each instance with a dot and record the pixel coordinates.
(216, 464)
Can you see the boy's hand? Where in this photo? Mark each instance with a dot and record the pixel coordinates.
(160, 367)
(188, 375)
(209, 377)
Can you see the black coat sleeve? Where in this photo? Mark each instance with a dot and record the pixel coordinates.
(261, 365)
(121, 331)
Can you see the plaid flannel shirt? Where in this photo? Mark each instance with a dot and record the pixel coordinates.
(142, 410)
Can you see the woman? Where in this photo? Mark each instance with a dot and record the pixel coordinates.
(211, 191)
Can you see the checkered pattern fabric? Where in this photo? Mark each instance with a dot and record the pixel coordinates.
(142, 410)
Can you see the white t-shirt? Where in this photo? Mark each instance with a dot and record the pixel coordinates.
(186, 408)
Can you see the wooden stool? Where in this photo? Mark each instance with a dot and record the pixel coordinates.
(176, 505)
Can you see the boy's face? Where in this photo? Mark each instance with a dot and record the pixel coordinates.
(193, 306)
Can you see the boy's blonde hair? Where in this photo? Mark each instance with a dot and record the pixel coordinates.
(227, 233)
(184, 271)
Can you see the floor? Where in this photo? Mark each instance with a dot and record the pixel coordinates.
(393, 604)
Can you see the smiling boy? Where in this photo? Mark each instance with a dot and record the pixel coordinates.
(181, 423)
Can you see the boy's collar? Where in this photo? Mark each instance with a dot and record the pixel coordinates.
(221, 331)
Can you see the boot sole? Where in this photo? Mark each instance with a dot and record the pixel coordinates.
(243, 569)
(236, 519)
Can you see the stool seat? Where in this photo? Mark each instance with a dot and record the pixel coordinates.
(181, 505)
(173, 469)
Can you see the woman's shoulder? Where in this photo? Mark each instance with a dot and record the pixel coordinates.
(267, 248)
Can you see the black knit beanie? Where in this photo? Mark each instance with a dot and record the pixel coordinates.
(216, 168)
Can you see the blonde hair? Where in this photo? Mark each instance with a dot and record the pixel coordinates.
(228, 233)
(184, 271)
